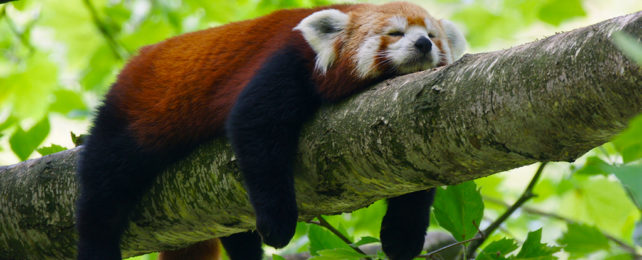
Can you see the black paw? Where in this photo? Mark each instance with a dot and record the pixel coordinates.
(276, 225)
(400, 244)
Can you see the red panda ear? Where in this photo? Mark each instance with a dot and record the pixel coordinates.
(456, 40)
(321, 30)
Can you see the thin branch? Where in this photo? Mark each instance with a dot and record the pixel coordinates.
(526, 195)
(115, 47)
(449, 246)
(538, 212)
(12, 26)
(322, 222)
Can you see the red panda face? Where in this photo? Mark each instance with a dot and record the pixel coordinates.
(395, 38)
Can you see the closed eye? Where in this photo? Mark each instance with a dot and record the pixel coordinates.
(396, 33)
(431, 35)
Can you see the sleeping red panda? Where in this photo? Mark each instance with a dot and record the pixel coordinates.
(255, 81)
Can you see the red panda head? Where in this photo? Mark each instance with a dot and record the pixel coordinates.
(395, 38)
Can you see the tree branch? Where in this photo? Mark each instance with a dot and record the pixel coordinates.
(548, 100)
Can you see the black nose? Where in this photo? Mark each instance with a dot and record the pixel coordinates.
(423, 44)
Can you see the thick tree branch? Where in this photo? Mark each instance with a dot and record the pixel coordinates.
(549, 100)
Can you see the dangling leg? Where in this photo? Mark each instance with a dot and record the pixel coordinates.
(243, 246)
(403, 228)
(263, 128)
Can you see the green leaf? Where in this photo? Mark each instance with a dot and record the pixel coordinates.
(277, 257)
(600, 201)
(498, 249)
(459, 209)
(321, 239)
(629, 45)
(340, 253)
(630, 175)
(581, 239)
(8, 123)
(637, 233)
(23, 143)
(28, 91)
(100, 70)
(53, 148)
(19, 5)
(628, 142)
(366, 240)
(594, 166)
(67, 101)
(557, 11)
(533, 248)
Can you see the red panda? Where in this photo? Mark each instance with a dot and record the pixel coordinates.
(256, 82)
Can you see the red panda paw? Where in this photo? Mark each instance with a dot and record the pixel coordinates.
(277, 225)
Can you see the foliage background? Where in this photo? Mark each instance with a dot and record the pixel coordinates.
(57, 58)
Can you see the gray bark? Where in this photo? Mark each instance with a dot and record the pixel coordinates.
(553, 99)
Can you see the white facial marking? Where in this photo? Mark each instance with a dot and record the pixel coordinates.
(320, 30)
(456, 40)
(397, 23)
(366, 55)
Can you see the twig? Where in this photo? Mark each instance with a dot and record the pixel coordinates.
(535, 211)
(322, 222)
(449, 246)
(526, 195)
(12, 26)
(116, 49)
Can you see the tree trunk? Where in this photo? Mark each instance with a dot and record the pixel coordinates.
(552, 99)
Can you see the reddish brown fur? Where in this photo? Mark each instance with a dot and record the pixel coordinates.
(204, 250)
(180, 91)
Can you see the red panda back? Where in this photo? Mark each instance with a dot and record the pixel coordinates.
(181, 90)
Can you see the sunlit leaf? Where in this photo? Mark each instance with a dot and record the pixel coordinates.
(580, 240)
(67, 101)
(497, 250)
(23, 143)
(628, 142)
(594, 166)
(321, 239)
(533, 248)
(29, 90)
(557, 11)
(366, 240)
(277, 257)
(338, 254)
(602, 202)
(459, 209)
(54, 148)
(630, 176)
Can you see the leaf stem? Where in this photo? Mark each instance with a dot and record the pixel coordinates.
(322, 222)
(115, 47)
(12, 26)
(526, 195)
(430, 254)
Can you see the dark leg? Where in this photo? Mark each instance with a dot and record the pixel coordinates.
(263, 128)
(243, 246)
(113, 173)
(404, 226)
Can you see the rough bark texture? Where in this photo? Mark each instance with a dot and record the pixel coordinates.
(553, 99)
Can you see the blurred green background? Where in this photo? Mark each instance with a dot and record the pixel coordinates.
(57, 59)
